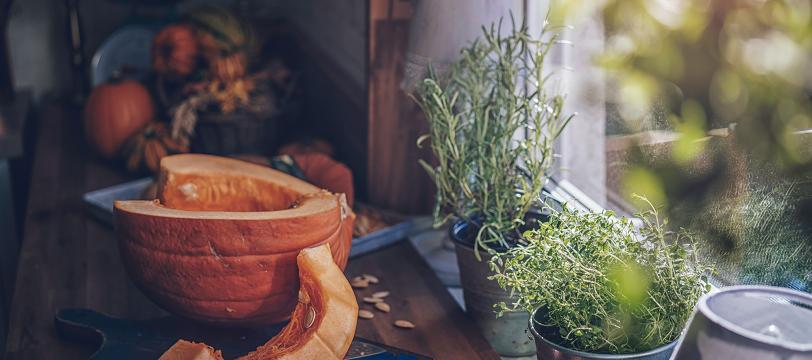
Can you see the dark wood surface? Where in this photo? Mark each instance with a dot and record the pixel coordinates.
(70, 260)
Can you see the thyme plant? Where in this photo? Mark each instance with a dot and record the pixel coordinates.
(492, 127)
(602, 284)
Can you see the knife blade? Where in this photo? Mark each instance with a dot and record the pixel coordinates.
(362, 349)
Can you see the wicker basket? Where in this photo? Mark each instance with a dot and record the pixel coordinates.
(241, 132)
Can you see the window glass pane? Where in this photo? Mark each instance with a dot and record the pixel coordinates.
(708, 114)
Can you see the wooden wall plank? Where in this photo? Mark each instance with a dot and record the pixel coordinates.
(395, 179)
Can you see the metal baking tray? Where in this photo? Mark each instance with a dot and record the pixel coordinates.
(100, 204)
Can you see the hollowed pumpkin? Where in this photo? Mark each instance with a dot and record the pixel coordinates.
(219, 244)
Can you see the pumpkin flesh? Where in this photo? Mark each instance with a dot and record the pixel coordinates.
(220, 243)
(325, 293)
(187, 350)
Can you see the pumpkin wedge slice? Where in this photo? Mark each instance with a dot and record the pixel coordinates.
(322, 325)
(219, 244)
(187, 350)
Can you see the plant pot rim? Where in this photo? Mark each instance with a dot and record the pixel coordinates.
(468, 243)
(586, 354)
(460, 223)
(458, 226)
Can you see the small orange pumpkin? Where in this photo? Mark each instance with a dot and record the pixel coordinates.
(114, 111)
(326, 173)
(146, 149)
(175, 51)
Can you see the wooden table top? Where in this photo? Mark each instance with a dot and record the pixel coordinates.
(68, 259)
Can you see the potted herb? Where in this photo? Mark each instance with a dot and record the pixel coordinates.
(598, 288)
(492, 126)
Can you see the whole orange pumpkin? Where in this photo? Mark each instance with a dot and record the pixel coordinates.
(114, 111)
(175, 51)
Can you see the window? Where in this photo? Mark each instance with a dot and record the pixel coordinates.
(696, 106)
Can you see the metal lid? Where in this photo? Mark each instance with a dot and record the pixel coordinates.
(777, 316)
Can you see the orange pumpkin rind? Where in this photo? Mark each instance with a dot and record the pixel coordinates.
(219, 244)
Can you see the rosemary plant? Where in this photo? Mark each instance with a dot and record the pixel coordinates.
(492, 127)
(603, 285)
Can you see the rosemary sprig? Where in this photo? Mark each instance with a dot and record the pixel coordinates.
(492, 128)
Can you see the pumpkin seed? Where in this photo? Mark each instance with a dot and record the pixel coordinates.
(359, 284)
(372, 300)
(365, 314)
(380, 294)
(304, 298)
(371, 278)
(404, 324)
(310, 317)
(382, 306)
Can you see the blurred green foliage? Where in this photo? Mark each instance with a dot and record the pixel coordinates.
(699, 65)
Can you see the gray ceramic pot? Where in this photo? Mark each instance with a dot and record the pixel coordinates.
(750, 323)
(507, 334)
(548, 350)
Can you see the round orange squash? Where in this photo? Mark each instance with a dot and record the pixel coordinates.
(115, 111)
(219, 244)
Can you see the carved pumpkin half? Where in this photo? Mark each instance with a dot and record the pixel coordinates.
(219, 244)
